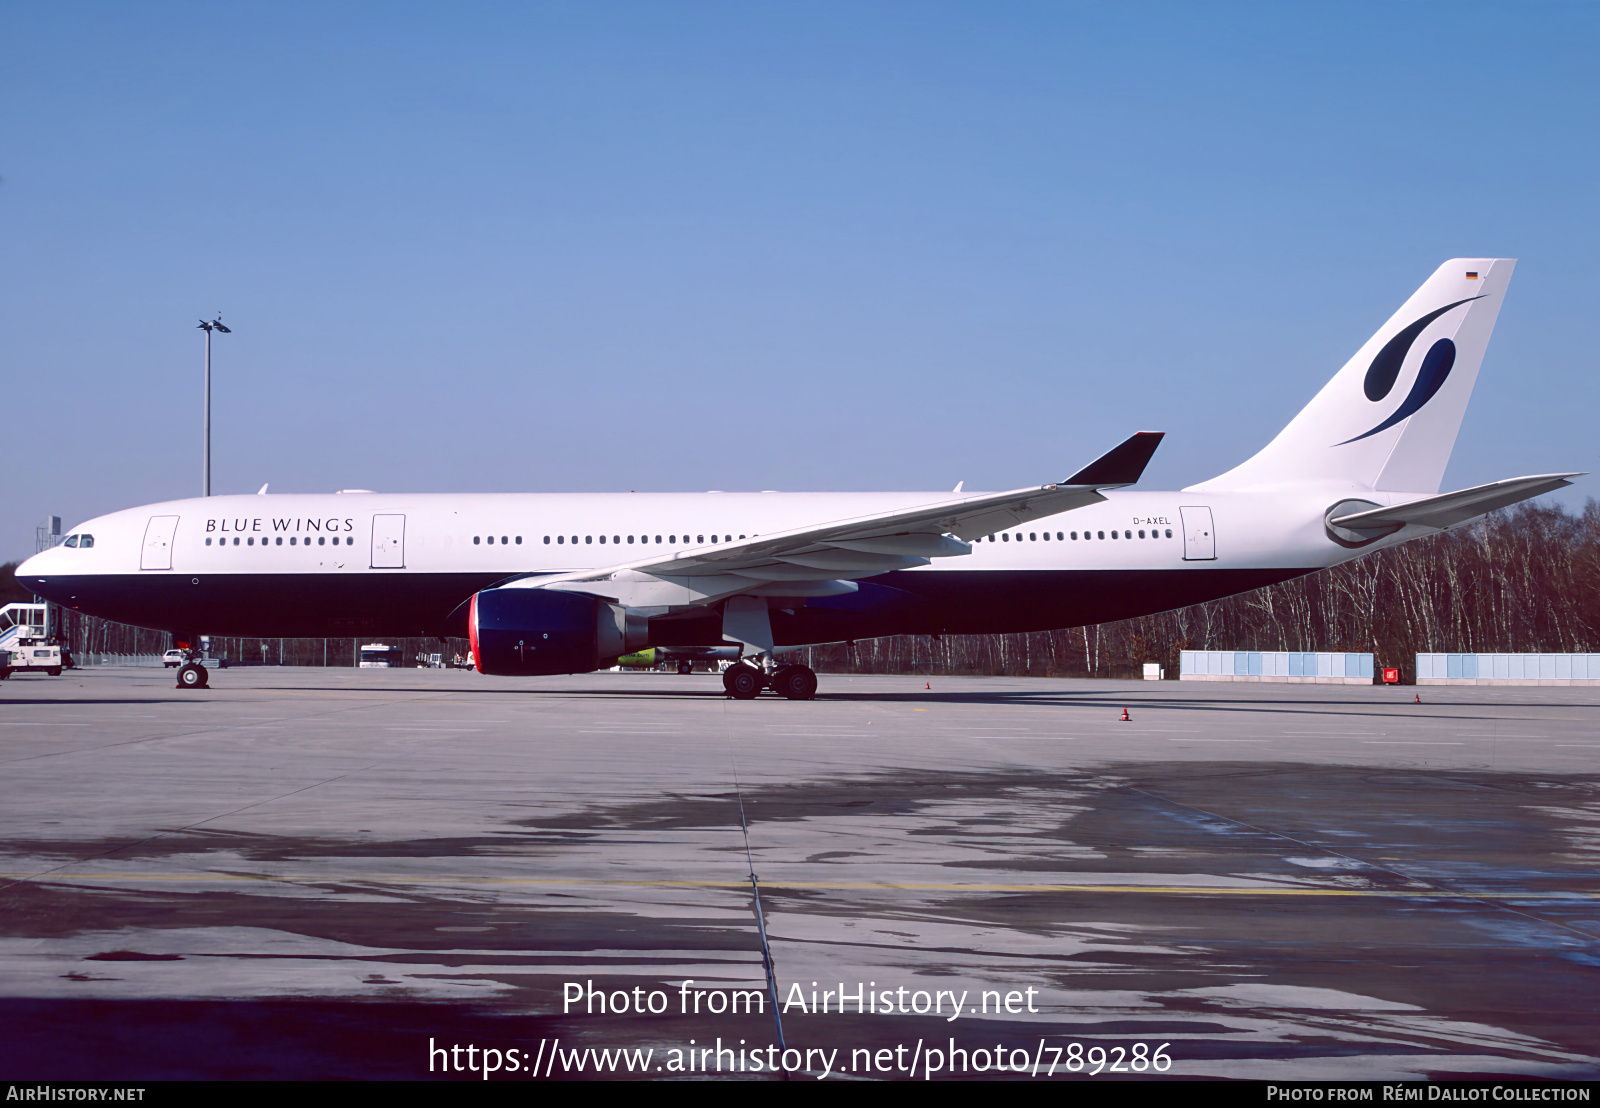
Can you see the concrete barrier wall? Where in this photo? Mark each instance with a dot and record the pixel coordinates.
(1319, 667)
(1508, 669)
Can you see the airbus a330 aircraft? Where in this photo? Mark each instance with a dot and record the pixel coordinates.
(565, 583)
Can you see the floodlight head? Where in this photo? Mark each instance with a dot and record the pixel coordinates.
(217, 323)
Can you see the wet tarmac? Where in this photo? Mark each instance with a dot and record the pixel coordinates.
(320, 874)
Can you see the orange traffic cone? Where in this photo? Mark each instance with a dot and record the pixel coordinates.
(1417, 698)
(1125, 717)
(928, 686)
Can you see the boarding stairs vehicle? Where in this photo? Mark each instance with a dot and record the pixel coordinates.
(23, 640)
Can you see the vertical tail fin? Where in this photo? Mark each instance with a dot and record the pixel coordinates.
(1388, 419)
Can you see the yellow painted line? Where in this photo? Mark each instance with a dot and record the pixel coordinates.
(841, 886)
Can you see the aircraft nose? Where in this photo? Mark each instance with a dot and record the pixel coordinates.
(34, 574)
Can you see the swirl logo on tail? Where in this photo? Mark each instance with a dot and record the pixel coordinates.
(1385, 369)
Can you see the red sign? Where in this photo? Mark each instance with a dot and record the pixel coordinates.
(1391, 675)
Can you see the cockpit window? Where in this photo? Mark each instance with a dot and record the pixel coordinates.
(85, 541)
(72, 540)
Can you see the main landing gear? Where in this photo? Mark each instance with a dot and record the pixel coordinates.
(744, 681)
(745, 621)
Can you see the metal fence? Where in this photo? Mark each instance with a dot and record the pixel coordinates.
(153, 660)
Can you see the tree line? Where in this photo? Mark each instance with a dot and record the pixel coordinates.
(1522, 580)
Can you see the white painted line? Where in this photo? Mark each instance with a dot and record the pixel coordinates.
(1407, 742)
(1335, 732)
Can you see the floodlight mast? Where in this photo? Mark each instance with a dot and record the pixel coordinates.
(205, 452)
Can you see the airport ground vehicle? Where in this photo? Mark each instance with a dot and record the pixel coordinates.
(377, 655)
(567, 583)
(23, 636)
(172, 659)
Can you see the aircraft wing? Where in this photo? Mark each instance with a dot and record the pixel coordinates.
(838, 550)
(1451, 508)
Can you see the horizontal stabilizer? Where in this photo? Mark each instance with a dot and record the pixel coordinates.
(1122, 464)
(1451, 508)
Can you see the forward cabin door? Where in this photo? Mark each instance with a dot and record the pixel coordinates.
(1199, 536)
(157, 551)
(389, 542)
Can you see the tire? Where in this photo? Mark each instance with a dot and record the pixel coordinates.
(743, 682)
(54, 671)
(795, 683)
(685, 668)
(192, 676)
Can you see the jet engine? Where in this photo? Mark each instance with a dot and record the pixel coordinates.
(530, 632)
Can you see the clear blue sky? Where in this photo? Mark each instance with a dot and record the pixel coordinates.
(589, 246)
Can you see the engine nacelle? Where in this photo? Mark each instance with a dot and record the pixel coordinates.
(529, 632)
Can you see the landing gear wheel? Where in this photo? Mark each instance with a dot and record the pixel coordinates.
(795, 683)
(685, 668)
(192, 676)
(743, 681)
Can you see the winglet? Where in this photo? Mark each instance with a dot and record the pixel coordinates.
(1122, 464)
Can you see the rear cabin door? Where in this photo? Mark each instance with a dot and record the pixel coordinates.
(157, 552)
(389, 542)
(1199, 536)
